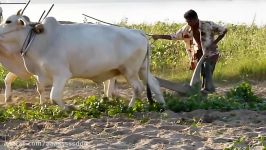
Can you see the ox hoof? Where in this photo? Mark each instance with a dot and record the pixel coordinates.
(131, 104)
(115, 95)
(162, 109)
(70, 108)
(52, 102)
(45, 103)
(9, 99)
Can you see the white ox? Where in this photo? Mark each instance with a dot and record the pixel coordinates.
(95, 52)
(13, 62)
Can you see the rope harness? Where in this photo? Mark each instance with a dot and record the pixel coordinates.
(108, 22)
(35, 28)
(27, 42)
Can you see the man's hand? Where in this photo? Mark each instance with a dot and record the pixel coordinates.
(220, 37)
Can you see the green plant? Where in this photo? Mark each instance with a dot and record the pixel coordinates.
(243, 92)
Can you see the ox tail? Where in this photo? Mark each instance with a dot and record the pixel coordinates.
(147, 59)
(149, 94)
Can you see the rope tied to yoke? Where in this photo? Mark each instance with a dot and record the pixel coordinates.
(35, 28)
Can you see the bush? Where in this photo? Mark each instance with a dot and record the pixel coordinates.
(243, 93)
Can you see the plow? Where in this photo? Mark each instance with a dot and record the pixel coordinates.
(173, 86)
(184, 88)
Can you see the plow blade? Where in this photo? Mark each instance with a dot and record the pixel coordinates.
(177, 87)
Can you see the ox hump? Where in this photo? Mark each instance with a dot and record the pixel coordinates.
(51, 21)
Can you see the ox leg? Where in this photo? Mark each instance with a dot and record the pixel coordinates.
(110, 88)
(105, 87)
(146, 76)
(137, 87)
(41, 89)
(10, 77)
(42, 82)
(57, 90)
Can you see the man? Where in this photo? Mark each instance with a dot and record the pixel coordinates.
(1, 14)
(199, 39)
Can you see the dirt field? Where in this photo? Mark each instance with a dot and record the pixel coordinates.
(167, 130)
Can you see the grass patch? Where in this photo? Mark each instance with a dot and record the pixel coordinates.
(239, 97)
(248, 143)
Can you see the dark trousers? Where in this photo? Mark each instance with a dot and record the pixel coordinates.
(207, 70)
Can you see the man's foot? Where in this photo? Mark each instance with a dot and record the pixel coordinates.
(207, 91)
(204, 91)
(212, 89)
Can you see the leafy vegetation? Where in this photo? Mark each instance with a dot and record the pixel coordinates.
(248, 144)
(240, 97)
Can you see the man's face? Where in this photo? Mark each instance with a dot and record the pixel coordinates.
(192, 22)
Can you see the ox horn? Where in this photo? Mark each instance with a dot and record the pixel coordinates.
(19, 12)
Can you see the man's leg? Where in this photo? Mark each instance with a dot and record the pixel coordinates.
(212, 65)
(209, 69)
(203, 74)
(198, 56)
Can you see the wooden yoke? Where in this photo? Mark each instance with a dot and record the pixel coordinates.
(37, 28)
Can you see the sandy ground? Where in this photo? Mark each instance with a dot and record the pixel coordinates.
(199, 129)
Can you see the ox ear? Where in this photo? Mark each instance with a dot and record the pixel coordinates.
(21, 22)
(26, 18)
(19, 12)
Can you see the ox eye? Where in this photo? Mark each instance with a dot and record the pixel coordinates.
(8, 22)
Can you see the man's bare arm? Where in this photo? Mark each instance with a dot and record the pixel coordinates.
(220, 37)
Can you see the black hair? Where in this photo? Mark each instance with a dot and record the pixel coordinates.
(191, 14)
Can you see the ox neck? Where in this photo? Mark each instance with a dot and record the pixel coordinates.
(27, 42)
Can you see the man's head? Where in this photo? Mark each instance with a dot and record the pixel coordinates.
(191, 18)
